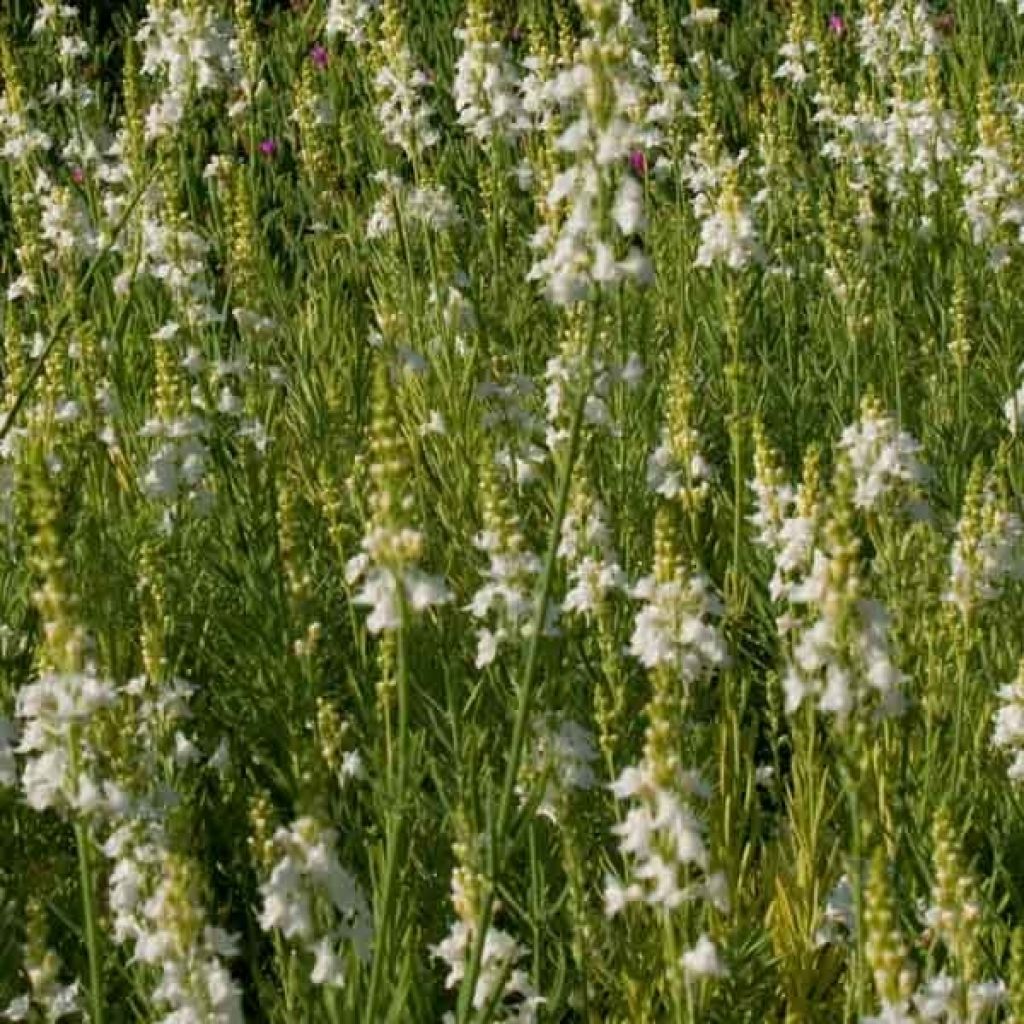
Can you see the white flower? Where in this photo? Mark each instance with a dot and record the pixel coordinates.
(1008, 734)
(306, 882)
(18, 1009)
(155, 911)
(883, 458)
(728, 236)
(350, 19)
(486, 87)
(662, 840)
(838, 919)
(500, 984)
(328, 967)
(986, 553)
(191, 51)
(405, 117)
(56, 711)
(675, 628)
(598, 101)
(703, 960)
(1013, 410)
(562, 759)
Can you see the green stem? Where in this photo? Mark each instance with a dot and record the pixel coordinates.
(671, 952)
(393, 839)
(92, 943)
(851, 783)
(526, 688)
(737, 431)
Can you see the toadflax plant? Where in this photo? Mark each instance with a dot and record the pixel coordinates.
(511, 512)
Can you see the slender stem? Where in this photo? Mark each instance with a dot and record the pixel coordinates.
(733, 316)
(676, 983)
(383, 953)
(84, 843)
(380, 953)
(526, 688)
(851, 783)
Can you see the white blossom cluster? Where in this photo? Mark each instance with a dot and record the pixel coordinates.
(48, 999)
(429, 206)
(511, 414)
(174, 254)
(506, 598)
(1008, 735)
(20, 136)
(65, 225)
(350, 19)
(60, 769)
(777, 528)
(884, 459)
(917, 140)
(306, 889)
(836, 634)
(672, 478)
(788, 523)
(839, 918)
(561, 761)
(937, 998)
(565, 374)
(728, 234)
(403, 111)
(538, 96)
(159, 711)
(156, 912)
(486, 88)
(797, 59)
(992, 196)
(594, 572)
(839, 643)
(986, 552)
(669, 105)
(601, 98)
(58, 24)
(387, 585)
(904, 134)
(897, 39)
(190, 51)
(675, 626)
(176, 469)
(501, 983)
(662, 840)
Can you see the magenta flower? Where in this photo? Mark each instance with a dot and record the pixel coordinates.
(638, 162)
(269, 147)
(836, 24)
(319, 55)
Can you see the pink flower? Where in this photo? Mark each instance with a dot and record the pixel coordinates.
(638, 162)
(319, 56)
(268, 147)
(78, 175)
(836, 24)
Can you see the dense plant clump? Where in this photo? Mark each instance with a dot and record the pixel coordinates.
(512, 512)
